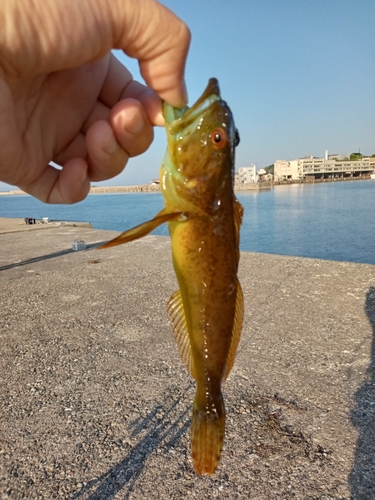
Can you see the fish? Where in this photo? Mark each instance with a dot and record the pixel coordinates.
(204, 219)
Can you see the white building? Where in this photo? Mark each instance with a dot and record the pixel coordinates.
(247, 174)
(284, 169)
(322, 168)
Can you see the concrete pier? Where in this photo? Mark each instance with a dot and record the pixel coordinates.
(95, 402)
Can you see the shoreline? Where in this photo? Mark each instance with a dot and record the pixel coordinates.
(155, 188)
(16, 224)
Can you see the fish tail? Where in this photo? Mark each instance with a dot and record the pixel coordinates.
(207, 436)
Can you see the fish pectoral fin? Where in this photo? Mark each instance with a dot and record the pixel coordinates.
(143, 229)
(177, 316)
(236, 332)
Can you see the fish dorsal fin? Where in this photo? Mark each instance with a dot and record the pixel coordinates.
(143, 229)
(178, 319)
(238, 213)
(236, 333)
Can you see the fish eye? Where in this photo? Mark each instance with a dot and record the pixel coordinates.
(219, 138)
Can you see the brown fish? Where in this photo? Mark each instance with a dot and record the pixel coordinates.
(204, 218)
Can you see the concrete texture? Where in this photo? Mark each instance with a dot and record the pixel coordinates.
(95, 402)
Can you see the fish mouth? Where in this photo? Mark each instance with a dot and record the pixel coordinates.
(178, 119)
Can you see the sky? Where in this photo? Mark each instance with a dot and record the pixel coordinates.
(298, 75)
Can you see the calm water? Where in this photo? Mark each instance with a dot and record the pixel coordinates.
(327, 221)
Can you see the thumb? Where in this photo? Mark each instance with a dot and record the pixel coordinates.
(160, 41)
(54, 35)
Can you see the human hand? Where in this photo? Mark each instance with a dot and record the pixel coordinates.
(65, 98)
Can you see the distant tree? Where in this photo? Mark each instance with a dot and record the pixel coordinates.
(355, 156)
(270, 169)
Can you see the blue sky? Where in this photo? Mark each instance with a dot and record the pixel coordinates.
(299, 76)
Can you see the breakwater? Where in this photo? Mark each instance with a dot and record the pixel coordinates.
(141, 188)
(155, 188)
(96, 402)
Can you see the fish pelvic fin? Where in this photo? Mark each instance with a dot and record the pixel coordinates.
(207, 436)
(177, 317)
(143, 229)
(236, 332)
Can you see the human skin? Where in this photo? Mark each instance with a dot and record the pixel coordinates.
(65, 98)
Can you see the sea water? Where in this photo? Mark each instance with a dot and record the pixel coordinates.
(333, 220)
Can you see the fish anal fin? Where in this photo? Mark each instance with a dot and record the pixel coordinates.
(207, 437)
(143, 229)
(236, 333)
(177, 316)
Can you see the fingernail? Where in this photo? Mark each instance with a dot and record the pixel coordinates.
(112, 145)
(135, 125)
(159, 119)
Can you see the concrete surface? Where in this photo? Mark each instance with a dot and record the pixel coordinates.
(95, 403)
